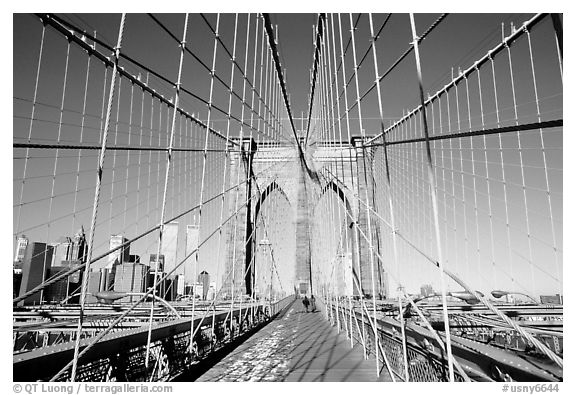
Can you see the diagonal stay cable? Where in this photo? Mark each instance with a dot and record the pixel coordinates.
(67, 273)
(319, 33)
(272, 43)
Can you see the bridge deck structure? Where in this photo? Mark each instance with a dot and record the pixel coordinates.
(298, 346)
(168, 205)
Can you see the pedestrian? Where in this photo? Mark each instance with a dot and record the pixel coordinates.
(306, 302)
(312, 303)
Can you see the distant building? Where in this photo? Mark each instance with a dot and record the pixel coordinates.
(16, 281)
(169, 247)
(107, 278)
(130, 277)
(169, 291)
(160, 263)
(60, 250)
(21, 245)
(211, 294)
(204, 279)
(58, 291)
(93, 286)
(79, 248)
(35, 264)
(192, 232)
(188, 288)
(426, 290)
(67, 288)
(199, 290)
(180, 289)
(551, 299)
(70, 248)
(122, 254)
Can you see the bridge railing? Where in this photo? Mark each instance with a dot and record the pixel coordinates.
(120, 356)
(426, 361)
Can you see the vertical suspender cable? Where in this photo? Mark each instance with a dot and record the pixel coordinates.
(81, 141)
(51, 204)
(368, 216)
(544, 159)
(432, 186)
(166, 178)
(41, 51)
(389, 186)
(99, 174)
(522, 171)
(203, 177)
(226, 155)
(238, 170)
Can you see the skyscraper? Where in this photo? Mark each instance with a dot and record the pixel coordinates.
(79, 247)
(204, 279)
(94, 286)
(67, 288)
(21, 245)
(120, 255)
(61, 250)
(35, 264)
(192, 235)
(130, 277)
(70, 248)
(153, 263)
(170, 247)
(192, 232)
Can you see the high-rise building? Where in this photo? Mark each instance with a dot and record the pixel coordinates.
(79, 246)
(130, 277)
(58, 291)
(35, 264)
(192, 232)
(122, 254)
(426, 290)
(16, 281)
(170, 247)
(67, 288)
(21, 245)
(94, 286)
(61, 250)
(192, 235)
(181, 287)
(70, 248)
(169, 289)
(161, 262)
(211, 294)
(204, 279)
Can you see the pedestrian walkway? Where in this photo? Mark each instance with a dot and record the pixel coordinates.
(296, 346)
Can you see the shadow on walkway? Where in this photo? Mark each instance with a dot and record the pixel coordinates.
(297, 346)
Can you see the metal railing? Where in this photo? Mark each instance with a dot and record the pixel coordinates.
(426, 361)
(120, 356)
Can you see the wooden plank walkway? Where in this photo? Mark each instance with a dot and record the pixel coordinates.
(297, 346)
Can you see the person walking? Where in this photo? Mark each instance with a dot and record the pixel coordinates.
(306, 302)
(312, 303)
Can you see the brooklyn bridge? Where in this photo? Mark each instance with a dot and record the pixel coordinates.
(288, 197)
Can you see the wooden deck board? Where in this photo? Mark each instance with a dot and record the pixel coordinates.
(297, 346)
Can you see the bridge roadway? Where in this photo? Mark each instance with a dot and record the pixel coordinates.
(296, 346)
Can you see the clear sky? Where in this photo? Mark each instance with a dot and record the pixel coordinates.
(131, 194)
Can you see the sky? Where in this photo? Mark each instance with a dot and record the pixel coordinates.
(131, 195)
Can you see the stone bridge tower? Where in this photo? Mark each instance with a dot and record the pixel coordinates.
(297, 183)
